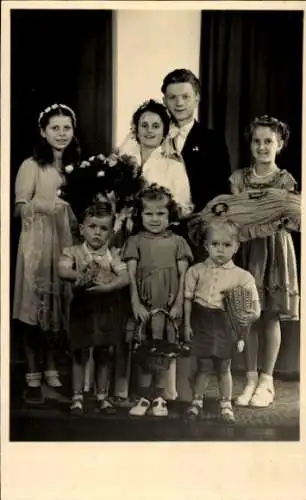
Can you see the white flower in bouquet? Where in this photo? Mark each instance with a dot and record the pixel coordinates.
(69, 169)
(85, 164)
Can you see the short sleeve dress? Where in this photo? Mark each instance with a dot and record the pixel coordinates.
(271, 260)
(47, 222)
(95, 319)
(157, 270)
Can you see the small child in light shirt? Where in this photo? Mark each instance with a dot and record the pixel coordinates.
(207, 324)
(97, 274)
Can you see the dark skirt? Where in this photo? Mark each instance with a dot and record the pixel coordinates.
(213, 335)
(96, 320)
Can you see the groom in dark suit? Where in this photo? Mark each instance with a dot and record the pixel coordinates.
(203, 150)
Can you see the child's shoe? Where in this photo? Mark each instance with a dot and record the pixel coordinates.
(77, 406)
(105, 406)
(245, 397)
(159, 407)
(52, 378)
(141, 408)
(264, 394)
(33, 380)
(226, 411)
(195, 409)
(33, 393)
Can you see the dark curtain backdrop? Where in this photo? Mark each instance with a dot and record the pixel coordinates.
(251, 64)
(59, 56)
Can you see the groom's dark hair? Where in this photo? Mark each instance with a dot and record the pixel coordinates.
(181, 76)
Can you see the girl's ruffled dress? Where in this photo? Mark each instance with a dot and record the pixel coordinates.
(47, 225)
(157, 272)
(271, 260)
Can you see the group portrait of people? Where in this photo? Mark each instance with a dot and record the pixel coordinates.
(159, 251)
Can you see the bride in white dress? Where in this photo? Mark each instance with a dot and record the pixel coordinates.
(160, 163)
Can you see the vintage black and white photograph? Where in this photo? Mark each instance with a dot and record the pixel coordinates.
(155, 215)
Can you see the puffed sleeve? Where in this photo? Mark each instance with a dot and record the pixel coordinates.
(25, 181)
(67, 257)
(287, 181)
(117, 264)
(236, 181)
(183, 250)
(131, 249)
(191, 280)
(129, 146)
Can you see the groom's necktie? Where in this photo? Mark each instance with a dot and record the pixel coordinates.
(179, 136)
(179, 141)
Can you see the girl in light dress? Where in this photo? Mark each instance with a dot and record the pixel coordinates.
(271, 260)
(40, 300)
(157, 261)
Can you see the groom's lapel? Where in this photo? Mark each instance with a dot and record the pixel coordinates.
(192, 142)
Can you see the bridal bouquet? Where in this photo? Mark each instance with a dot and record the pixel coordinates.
(116, 178)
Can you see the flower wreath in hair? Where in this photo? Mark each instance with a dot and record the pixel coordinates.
(116, 178)
(167, 145)
(141, 109)
(149, 191)
(281, 128)
(57, 106)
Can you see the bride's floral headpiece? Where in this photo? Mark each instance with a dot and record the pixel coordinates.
(117, 177)
(54, 107)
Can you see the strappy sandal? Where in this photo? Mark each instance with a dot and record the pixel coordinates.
(194, 410)
(226, 411)
(77, 406)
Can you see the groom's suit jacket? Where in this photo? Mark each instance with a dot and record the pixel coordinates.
(207, 164)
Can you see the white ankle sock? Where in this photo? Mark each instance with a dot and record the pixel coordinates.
(197, 401)
(252, 378)
(266, 379)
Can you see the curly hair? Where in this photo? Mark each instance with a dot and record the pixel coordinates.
(153, 192)
(151, 106)
(201, 232)
(280, 128)
(43, 152)
(98, 209)
(181, 76)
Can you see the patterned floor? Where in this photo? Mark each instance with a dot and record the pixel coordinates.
(52, 421)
